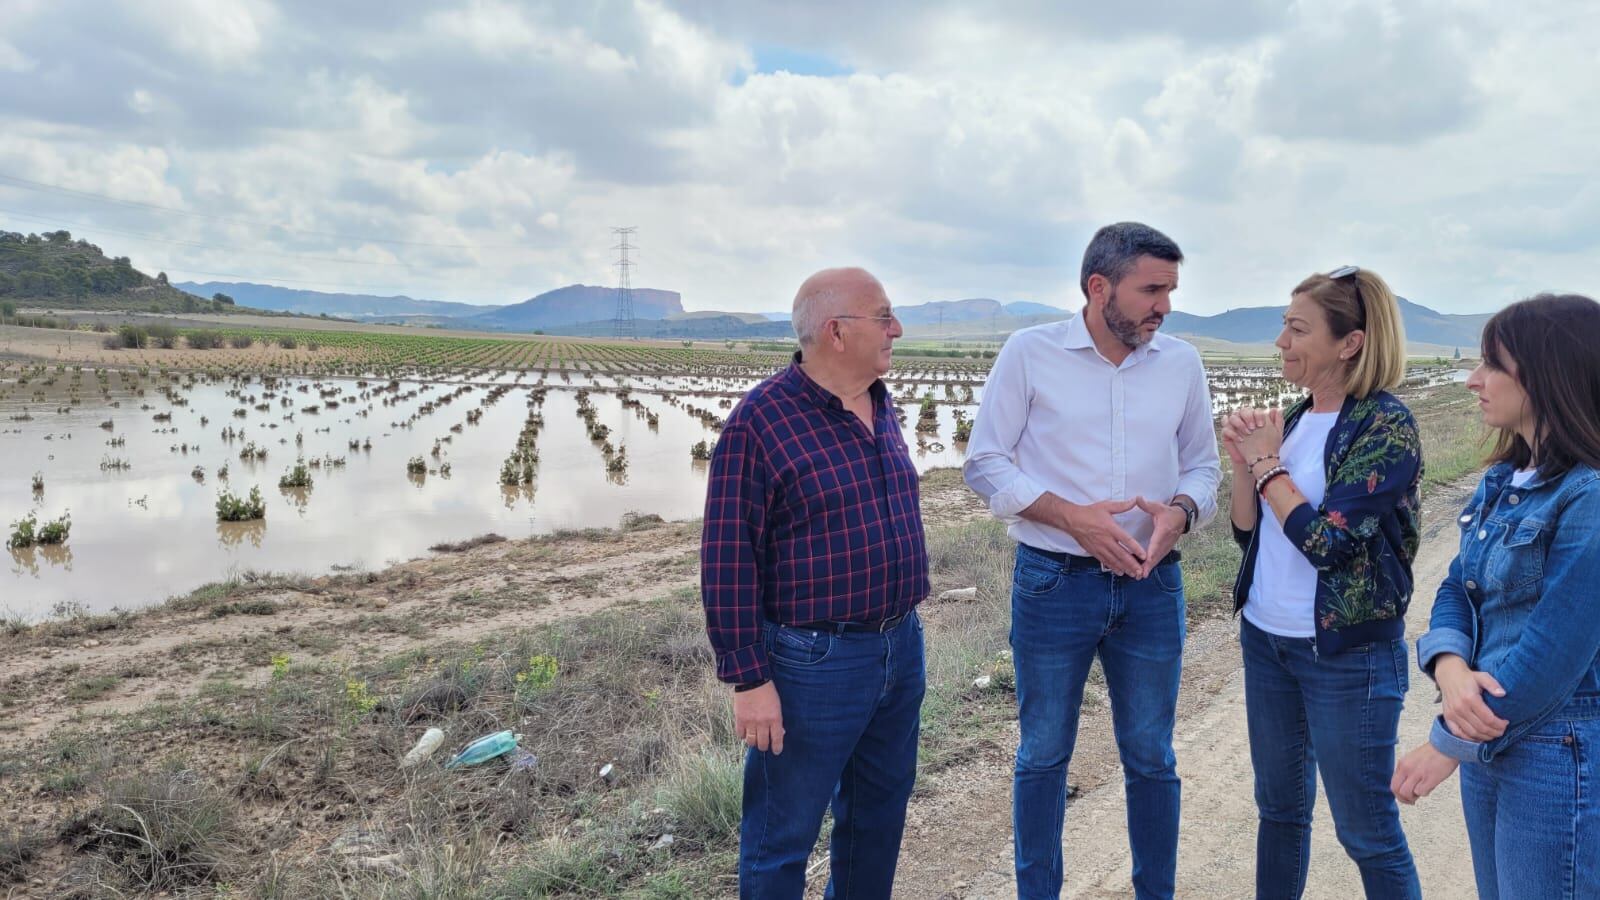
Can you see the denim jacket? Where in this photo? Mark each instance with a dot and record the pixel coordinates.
(1364, 537)
(1520, 603)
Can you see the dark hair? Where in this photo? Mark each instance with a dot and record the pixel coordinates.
(1115, 249)
(1551, 339)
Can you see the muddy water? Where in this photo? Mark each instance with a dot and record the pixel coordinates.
(148, 531)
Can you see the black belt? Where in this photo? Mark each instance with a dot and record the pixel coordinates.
(845, 627)
(1073, 561)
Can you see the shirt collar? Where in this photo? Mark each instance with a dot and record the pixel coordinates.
(801, 383)
(1079, 338)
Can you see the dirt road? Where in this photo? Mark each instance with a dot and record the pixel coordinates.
(968, 854)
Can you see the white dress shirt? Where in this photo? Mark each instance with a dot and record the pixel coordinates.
(1057, 416)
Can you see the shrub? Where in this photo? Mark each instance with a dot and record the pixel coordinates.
(297, 477)
(205, 339)
(230, 508)
(241, 341)
(129, 336)
(163, 336)
(27, 531)
(287, 342)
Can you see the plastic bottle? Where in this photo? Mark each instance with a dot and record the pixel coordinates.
(431, 739)
(485, 748)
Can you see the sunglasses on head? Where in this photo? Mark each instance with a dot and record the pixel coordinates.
(1347, 272)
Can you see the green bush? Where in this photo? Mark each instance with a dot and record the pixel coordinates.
(297, 477)
(164, 336)
(27, 531)
(230, 508)
(206, 339)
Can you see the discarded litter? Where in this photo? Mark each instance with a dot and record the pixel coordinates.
(524, 761)
(430, 741)
(483, 749)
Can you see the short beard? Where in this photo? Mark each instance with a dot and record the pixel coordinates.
(1123, 328)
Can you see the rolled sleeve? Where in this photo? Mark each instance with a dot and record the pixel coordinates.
(1441, 640)
(1019, 494)
(1452, 746)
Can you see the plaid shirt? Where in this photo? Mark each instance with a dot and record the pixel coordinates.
(808, 519)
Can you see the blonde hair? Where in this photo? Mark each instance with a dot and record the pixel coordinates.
(1380, 364)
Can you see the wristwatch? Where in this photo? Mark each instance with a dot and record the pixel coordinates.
(1190, 511)
(749, 686)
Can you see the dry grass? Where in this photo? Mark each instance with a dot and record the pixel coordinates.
(468, 544)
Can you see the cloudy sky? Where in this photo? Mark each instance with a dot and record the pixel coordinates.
(481, 150)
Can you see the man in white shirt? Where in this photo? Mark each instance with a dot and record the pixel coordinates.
(1095, 444)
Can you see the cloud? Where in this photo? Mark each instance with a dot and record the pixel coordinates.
(481, 149)
(1368, 74)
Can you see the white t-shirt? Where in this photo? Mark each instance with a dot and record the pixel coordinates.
(1283, 596)
(1522, 476)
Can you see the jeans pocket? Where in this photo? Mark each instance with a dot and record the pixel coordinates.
(1035, 577)
(1168, 577)
(1402, 670)
(799, 647)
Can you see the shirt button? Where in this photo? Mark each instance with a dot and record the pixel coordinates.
(1514, 499)
(1483, 533)
(1472, 585)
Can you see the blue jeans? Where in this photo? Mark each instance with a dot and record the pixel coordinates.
(1338, 715)
(1062, 616)
(851, 711)
(1533, 814)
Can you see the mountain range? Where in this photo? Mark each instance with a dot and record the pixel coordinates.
(590, 310)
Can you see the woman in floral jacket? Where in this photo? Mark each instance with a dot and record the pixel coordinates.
(1325, 505)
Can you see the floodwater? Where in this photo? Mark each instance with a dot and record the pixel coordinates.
(149, 530)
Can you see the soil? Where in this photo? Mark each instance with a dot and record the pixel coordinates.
(958, 837)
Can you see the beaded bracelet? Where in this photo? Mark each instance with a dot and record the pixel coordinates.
(1262, 458)
(1267, 476)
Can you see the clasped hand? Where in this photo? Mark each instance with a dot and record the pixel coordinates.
(1096, 530)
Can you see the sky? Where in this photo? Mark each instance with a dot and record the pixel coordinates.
(481, 151)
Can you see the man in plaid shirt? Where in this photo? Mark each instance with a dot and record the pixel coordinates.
(812, 564)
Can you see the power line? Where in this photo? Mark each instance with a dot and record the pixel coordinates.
(29, 184)
(623, 325)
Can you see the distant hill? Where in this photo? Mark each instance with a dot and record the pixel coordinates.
(311, 303)
(53, 269)
(707, 326)
(1262, 324)
(574, 304)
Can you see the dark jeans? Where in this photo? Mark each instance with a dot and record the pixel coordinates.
(851, 709)
(1338, 715)
(1062, 616)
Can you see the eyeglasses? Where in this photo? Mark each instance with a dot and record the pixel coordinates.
(1348, 272)
(881, 320)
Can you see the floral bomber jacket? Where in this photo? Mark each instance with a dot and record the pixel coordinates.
(1364, 538)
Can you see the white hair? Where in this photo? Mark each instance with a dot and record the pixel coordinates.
(811, 310)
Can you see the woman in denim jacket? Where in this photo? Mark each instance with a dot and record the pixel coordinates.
(1325, 505)
(1514, 642)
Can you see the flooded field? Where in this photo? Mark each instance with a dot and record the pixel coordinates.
(395, 466)
(396, 463)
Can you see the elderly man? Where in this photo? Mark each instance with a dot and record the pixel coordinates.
(1094, 442)
(812, 565)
